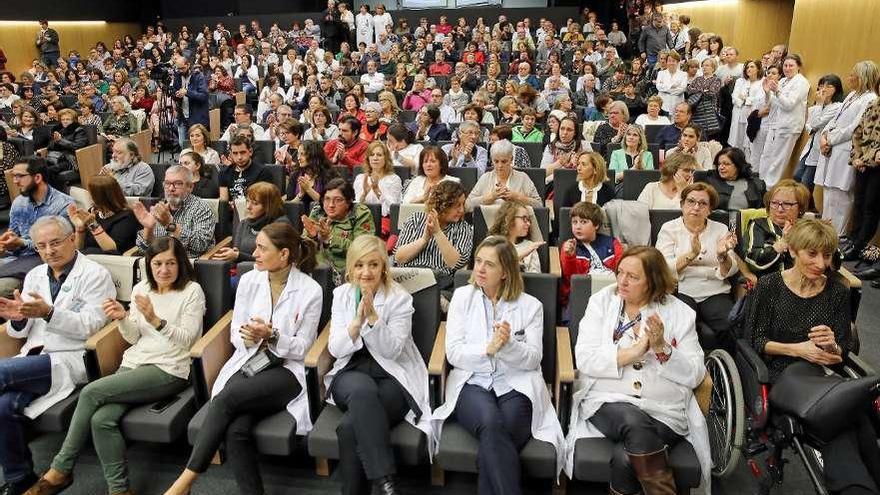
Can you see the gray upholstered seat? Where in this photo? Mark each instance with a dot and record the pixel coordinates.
(57, 417)
(592, 462)
(140, 424)
(274, 434)
(458, 452)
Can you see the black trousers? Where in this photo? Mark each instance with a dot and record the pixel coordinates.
(231, 416)
(714, 312)
(852, 460)
(503, 426)
(866, 206)
(634, 432)
(373, 403)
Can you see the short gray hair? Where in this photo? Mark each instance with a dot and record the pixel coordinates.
(180, 169)
(122, 101)
(374, 106)
(64, 226)
(502, 148)
(467, 125)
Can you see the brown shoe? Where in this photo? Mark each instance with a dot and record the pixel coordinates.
(126, 492)
(43, 487)
(654, 473)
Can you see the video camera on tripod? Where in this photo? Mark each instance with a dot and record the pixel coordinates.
(166, 141)
(163, 74)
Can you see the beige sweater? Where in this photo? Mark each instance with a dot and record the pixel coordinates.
(168, 349)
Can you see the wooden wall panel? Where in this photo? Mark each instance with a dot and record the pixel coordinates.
(17, 39)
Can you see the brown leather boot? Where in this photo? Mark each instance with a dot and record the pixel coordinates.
(654, 473)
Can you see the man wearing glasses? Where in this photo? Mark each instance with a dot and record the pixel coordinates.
(58, 308)
(38, 199)
(181, 215)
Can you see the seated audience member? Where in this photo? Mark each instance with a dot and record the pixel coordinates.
(311, 173)
(700, 253)
(653, 117)
(495, 389)
(351, 108)
(348, 149)
(588, 252)
(592, 181)
(67, 137)
(243, 115)
(200, 142)
(563, 149)
(236, 178)
(263, 205)
(134, 176)
(164, 321)
(290, 133)
(801, 323)
(503, 183)
(9, 155)
(503, 132)
(404, 150)
(373, 128)
(121, 123)
(635, 331)
(377, 183)
(438, 238)
(633, 153)
(206, 178)
(418, 96)
(109, 226)
(335, 222)
(428, 126)
(689, 144)
(54, 326)
(182, 215)
(765, 244)
(433, 169)
(670, 135)
(37, 199)
(738, 187)
(527, 132)
(514, 221)
(321, 128)
(379, 378)
(612, 131)
(676, 173)
(465, 152)
(277, 310)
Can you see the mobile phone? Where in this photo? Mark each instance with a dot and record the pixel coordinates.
(163, 404)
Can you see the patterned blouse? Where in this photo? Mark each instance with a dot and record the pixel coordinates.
(866, 137)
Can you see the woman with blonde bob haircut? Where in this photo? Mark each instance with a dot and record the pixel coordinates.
(379, 378)
(639, 359)
(495, 389)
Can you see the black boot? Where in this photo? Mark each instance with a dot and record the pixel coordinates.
(20, 486)
(386, 486)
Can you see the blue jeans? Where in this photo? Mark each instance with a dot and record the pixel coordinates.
(21, 381)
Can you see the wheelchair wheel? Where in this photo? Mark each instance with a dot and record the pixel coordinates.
(726, 413)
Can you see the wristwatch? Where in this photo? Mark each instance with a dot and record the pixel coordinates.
(273, 339)
(171, 228)
(161, 325)
(93, 226)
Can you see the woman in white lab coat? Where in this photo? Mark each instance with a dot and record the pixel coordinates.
(747, 92)
(276, 313)
(788, 112)
(364, 25)
(671, 83)
(494, 342)
(639, 360)
(381, 19)
(834, 172)
(379, 378)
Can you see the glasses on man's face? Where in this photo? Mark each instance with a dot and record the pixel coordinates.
(19, 176)
(782, 205)
(174, 184)
(691, 203)
(53, 244)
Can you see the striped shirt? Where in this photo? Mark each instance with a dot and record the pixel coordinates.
(460, 234)
(194, 220)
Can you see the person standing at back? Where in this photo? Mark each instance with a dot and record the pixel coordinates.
(49, 44)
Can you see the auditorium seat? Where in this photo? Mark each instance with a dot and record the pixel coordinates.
(540, 221)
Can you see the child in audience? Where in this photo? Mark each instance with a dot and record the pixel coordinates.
(589, 252)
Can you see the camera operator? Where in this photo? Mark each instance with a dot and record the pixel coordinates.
(190, 90)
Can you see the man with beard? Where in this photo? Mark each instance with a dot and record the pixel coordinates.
(181, 215)
(38, 199)
(238, 177)
(190, 91)
(134, 176)
(348, 149)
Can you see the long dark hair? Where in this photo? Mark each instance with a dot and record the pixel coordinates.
(303, 251)
(185, 270)
(317, 164)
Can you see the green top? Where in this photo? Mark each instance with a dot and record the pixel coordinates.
(618, 161)
(535, 136)
(342, 233)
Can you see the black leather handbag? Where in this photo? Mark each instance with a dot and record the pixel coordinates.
(822, 403)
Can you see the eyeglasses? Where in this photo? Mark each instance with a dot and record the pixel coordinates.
(177, 184)
(782, 205)
(690, 203)
(55, 244)
(524, 218)
(334, 200)
(20, 176)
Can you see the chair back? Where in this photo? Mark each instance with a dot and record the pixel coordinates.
(400, 213)
(425, 292)
(636, 180)
(294, 212)
(564, 181)
(321, 274)
(651, 132)
(582, 287)
(264, 152)
(538, 176)
(214, 278)
(535, 152)
(159, 170)
(279, 176)
(124, 270)
(82, 197)
(376, 211)
(467, 176)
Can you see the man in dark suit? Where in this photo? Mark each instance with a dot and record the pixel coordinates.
(190, 91)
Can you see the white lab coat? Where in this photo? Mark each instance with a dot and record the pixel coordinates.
(788, 107)
(834, 171)
(296, 316)
(390, 186)
(747, 95)
(78, 315)
(596, 357)
(671, 87)
(390, 343)
(364, 23)
(380, 21)
(466, 340)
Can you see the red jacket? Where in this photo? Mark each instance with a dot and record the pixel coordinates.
(353, 155)
(369, 137)
(608, 248)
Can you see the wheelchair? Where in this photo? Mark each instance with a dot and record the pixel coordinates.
(741, 423)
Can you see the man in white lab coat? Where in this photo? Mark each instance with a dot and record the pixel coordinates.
(58, 308)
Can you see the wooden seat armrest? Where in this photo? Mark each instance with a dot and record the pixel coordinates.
(132, 252)
(320, 350)
(437, 364)
(9, 346)
(212, 350)
(555, 265)
(108, 346)
(217, 247)
(854, 282)
(318, 363)
(565, 372)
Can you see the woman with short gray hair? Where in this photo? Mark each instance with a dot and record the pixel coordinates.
(503, 183)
